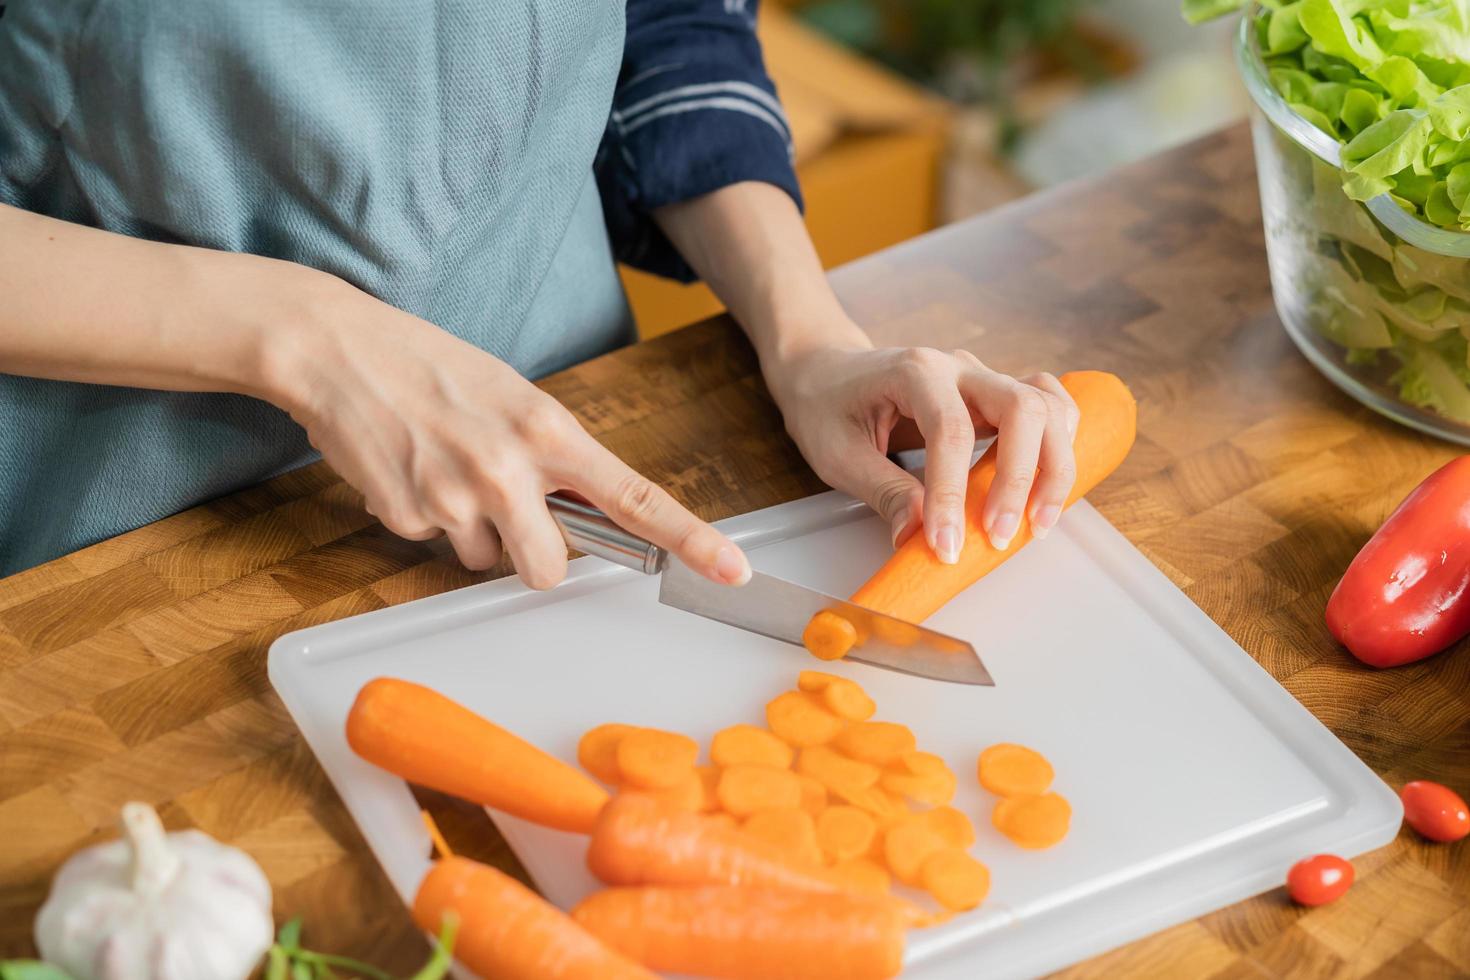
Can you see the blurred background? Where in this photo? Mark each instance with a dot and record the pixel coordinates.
(909, 114)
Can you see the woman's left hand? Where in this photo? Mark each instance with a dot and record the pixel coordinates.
(842, 403)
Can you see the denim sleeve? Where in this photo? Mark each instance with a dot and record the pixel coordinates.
(694, 111)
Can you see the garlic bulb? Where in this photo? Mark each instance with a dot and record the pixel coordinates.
(156, 906)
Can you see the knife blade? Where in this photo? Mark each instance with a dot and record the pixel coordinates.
(771, 606)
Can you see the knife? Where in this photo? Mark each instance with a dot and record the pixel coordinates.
(768, 605)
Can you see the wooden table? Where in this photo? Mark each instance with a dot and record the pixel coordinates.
(135, 669)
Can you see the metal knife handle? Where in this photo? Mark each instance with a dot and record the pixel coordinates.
(589, 530)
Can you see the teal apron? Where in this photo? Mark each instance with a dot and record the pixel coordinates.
(436, 154)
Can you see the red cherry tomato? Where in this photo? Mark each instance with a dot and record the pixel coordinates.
(1436, 811)
(1319, 879)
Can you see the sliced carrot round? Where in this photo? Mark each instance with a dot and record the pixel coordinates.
(952, 825)
(741, 745)
(955, 879)
(789, 828)
(813, 681)
(813, 795)
(879, 743)
(847, 700)
(906, 845)
(1033, 822)
(829, 636)
(834, 770)
(863, 875)
(1006, 769)
(845, 832)
(885, 807)
(800, 720)
(686, 794)
(931, 784)
(597, 752)
(652, 759)
(709, 781)
(743, 790)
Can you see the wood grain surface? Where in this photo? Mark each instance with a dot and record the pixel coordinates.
(135, 669)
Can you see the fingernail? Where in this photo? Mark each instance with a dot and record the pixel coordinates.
(1045, 520)
(900, 525)
(731, 566)
(1002, 529)
(947, 544)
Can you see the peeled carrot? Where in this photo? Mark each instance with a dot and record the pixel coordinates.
(723, 820)
(639, 841)
(913, 584)
(742, 790)
(800, 720)
(1033, 822)
(863, 875)
(652, 759)
(955, 879)
(749, 745)
(1006, 769)
(845, 832)
(813, 795)
(835, 771)
(748, 933)
(509, 932)
(709, 781)
(952, 825)
(417, 733)
(876, 742)
(829, 636)
(792, 830)
(923, 777)
(597, 752)
(906, 845)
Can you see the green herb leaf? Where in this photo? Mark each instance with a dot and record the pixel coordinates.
(30, 970)
(1359, 110)
(289, 938)
(1389, 145)
(1198, 11)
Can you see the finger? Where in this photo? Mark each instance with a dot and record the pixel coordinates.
(949, 440)
(1019, 413)
(637, 504)
(883, 485)
(1049, 384)
(529, 533)
(477, 544)
(1056, 469)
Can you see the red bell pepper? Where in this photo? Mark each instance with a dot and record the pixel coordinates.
(1407, 593)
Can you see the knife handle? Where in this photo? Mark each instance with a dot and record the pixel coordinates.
(589, 530)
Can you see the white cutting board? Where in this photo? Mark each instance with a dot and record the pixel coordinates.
(1195, 779)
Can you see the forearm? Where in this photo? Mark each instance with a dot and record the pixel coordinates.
(748, 242)
(81, 304)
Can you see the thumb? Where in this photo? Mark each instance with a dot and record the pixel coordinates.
(886, 487)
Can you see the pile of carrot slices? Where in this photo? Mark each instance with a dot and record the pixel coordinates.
(1027, 813)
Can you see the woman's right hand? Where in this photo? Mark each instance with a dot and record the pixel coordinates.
(441, 437)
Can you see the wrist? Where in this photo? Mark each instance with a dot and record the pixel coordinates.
(294, 328)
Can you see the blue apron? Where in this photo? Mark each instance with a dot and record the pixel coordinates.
(436, 154)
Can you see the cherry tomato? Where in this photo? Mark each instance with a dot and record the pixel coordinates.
(1319, 879)
(1436, 811)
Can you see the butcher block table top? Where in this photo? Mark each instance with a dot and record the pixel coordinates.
(135, 669)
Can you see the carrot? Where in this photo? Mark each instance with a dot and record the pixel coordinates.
(952, 825)
(640, 841)
(863, 875)
(792, 830)
(709, 781)
(847, 700)
(1033, 822)
(686, 794)
(813, 795)
(913, 584)
(652, 759)
(749, 745)
(742, 790)
(800, 720)
(724, 820)
(906, 845)
(750, 934)
(417, 733)
(923, 777)
(1006, 769)
(885, 807)
(835, 771)
(829, 636)
(509, 932)
(876, 742)
(955, 879)
(845, 832)
(597, 752)
(814, 681)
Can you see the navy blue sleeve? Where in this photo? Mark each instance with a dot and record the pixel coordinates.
(694, 111)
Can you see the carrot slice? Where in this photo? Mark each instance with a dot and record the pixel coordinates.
(506, 930)
(813, 681)
(748, 745)
(799, 720)
(885, 807)
(417, 733)
(845, 832)
(829, 636)
(686, 794)
(877, 742)
(792, 830)
(923, 778)
(597, 752)
(835, 771)
(1033, 822)
(847, 700)
(1006, 769)
(652, 759)
(813, 795)
(906, 845)
(863, 875)
(742, 790)
(745, 933)
(952, 825)
(955, 879)
(709, 780)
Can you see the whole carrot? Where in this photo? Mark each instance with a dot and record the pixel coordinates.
(641, 841)
(508, 932)
(417, 733)
(749, 933)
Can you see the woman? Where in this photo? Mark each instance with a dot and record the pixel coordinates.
(236, 235)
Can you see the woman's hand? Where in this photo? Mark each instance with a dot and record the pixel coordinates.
(441, 437)
(841, 404)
